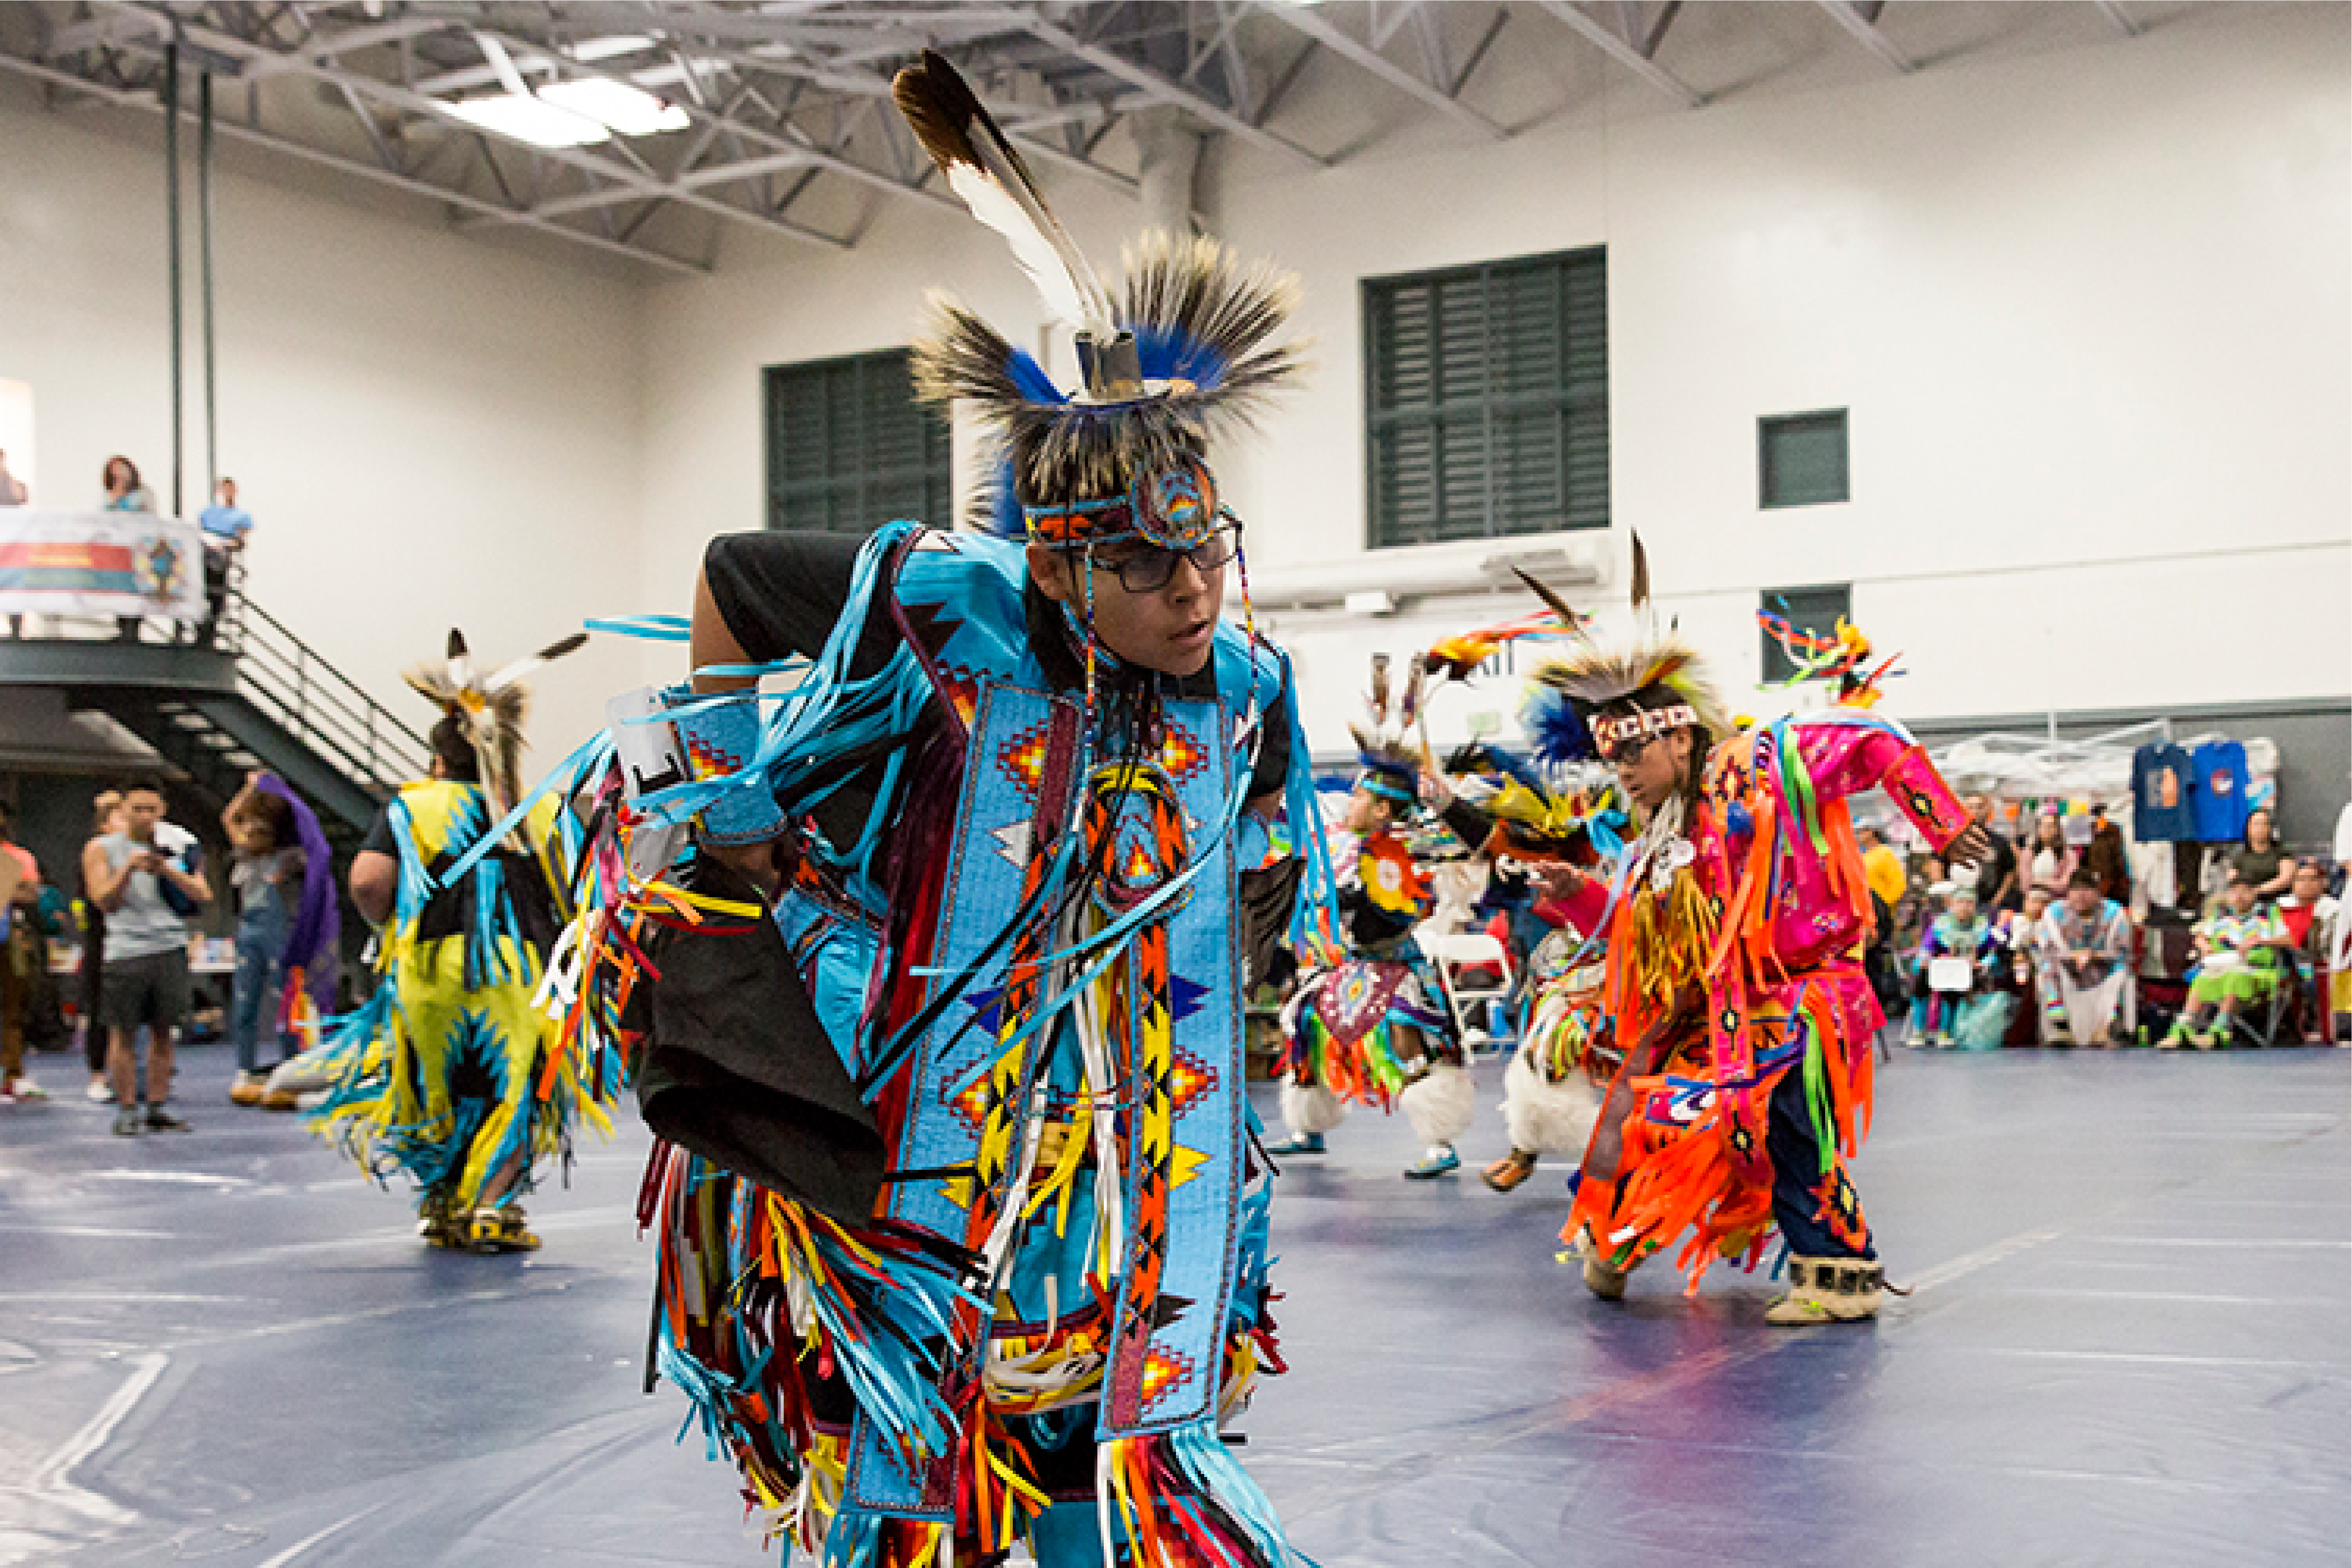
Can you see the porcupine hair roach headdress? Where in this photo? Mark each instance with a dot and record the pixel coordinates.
(1592, 701)
(490, 710)
(1391, 762)
(1180, 356)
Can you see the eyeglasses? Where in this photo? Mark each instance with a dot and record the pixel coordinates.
(1150, 567)
(1628, 752)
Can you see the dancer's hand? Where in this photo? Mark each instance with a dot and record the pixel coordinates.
(1973, 847)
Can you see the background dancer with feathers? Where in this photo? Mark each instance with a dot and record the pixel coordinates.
(1373, 1026)
(445, 1071)
(1735, 982)
(931, 962)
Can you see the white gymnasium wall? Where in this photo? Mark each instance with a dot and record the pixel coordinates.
(429, 429)
(2087, 307)
(2088, 310)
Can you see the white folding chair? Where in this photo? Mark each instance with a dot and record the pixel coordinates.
(1458, 951)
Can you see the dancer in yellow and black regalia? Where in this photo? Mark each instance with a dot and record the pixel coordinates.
(445, 1071)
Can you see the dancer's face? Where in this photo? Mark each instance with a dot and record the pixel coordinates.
(1649, 768)
(1367, 813)
(1171, 629)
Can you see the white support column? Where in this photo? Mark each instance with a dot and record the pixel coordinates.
(1168, 151)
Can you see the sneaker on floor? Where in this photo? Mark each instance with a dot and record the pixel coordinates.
(161, 1119)
(128, 1123)
(99, 1092)
(1434, 1163)
(1298, 1143)
(24, 1087)
(1510, 1172)
(248, 1088)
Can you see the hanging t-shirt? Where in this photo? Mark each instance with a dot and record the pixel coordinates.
(2161, 794)
(2219, 768)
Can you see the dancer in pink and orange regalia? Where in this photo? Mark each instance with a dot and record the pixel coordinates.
(1735, 922)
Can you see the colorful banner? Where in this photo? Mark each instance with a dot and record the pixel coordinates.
(100, 563)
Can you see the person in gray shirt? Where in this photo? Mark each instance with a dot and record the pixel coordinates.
(146, 957)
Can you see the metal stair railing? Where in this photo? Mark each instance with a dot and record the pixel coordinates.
(312, 700)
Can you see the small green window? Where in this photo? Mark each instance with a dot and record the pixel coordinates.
(1801, 458)
(849, 448)
(1810, 611)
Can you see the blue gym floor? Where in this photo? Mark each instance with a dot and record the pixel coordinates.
(2128, 1343)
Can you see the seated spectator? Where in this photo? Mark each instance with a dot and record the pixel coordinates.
(2084, 945)
(1958, 974)
(2050, 862)
(2238, 964)
(2311, 919)
(2018, 980)
(12, 489)
(2262, 859)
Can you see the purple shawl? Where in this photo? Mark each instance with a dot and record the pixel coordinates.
(318, 921)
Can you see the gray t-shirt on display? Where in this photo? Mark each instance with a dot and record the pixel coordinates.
(142, 925)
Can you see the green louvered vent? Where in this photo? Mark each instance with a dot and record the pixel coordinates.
(1487, 393)
(850, 449)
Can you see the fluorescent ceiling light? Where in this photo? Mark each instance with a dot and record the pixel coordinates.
(605, 48)
(532, 120)
(627, 110)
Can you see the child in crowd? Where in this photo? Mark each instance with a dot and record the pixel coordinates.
(2238, 964)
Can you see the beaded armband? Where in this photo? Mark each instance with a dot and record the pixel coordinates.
(721, 737)
(1923, 797)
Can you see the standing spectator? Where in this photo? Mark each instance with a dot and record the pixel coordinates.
(265, 876)
(2108, 858)
(105, 817)
(287, 929)
(124, 493)
(2050, 860)
(1881, 866)
(1996, 876)
(146, 957)
(225, 526)
(13, 493)
(2262, 859)
(2086, 943)
(20, 955)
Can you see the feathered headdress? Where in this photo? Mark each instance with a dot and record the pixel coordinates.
(492, 708)
(1180, 355)
(1656, 682)
(1388, 744)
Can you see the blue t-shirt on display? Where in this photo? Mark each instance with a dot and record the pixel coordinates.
(2219, 768)
(2161, 794)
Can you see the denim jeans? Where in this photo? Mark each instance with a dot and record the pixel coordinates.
(253, 1004)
